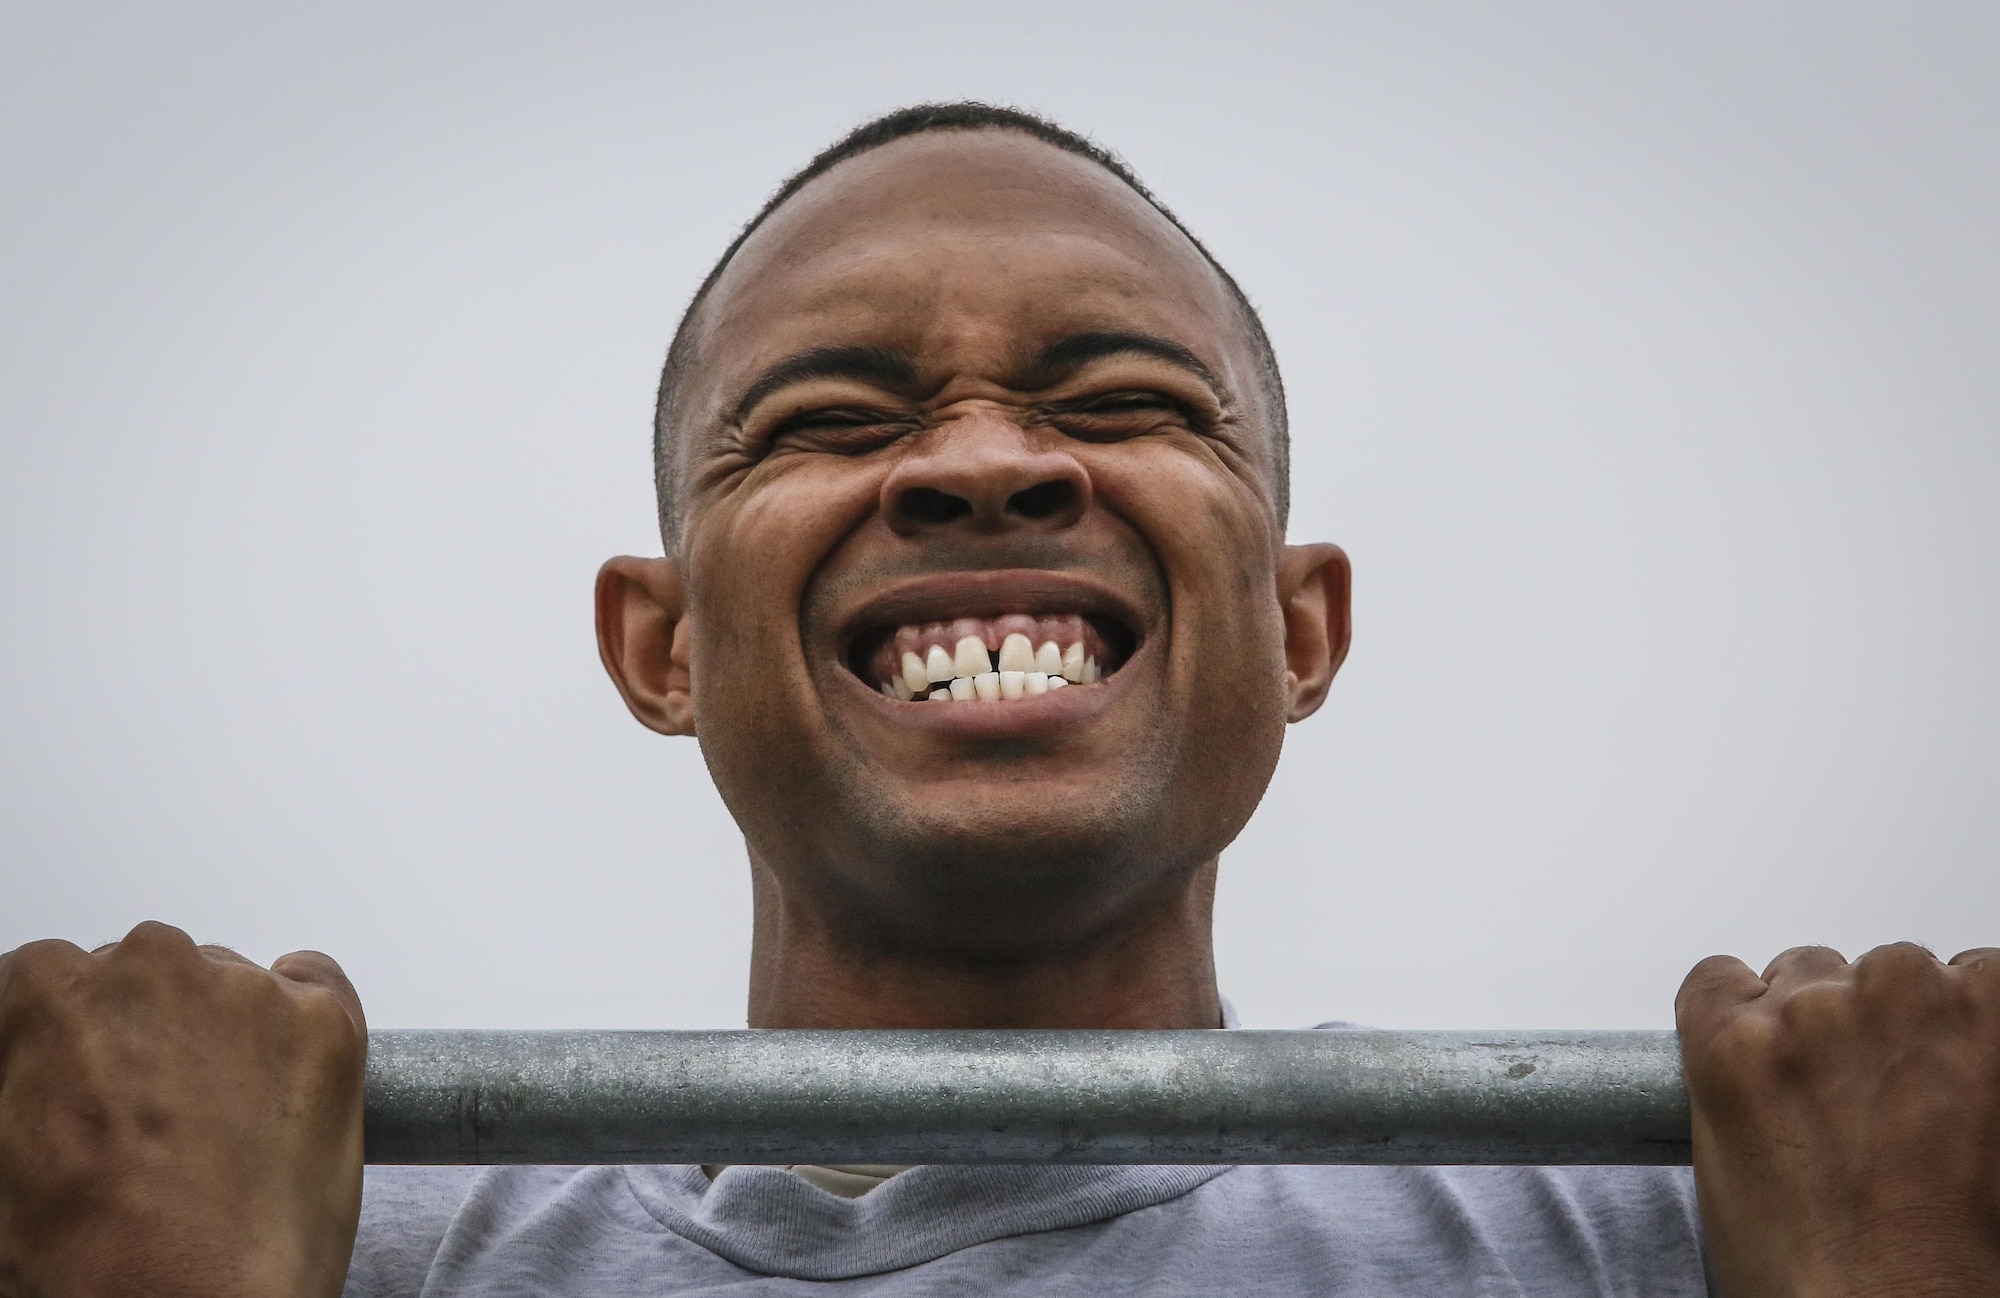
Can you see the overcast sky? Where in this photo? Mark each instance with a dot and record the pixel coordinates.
(1643, 358)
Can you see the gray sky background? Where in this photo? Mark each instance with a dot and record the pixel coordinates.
(1643, 357)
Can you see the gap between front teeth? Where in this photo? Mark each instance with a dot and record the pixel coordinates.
(968, 672)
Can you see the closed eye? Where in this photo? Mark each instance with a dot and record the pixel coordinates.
(1113, 416)
(845, 430)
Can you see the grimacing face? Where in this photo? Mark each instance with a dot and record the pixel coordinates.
(970, 385)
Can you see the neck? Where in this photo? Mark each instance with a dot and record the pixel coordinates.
(1154, 970)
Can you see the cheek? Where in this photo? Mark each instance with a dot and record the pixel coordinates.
(750, 555)
(753, 550)
(1216, 541)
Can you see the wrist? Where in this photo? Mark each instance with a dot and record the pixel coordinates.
(1931, 1263)
(189, 1262)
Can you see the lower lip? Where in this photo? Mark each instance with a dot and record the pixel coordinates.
(1001, 719)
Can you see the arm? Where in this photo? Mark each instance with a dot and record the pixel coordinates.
(1847, 1122)
(176, 1120)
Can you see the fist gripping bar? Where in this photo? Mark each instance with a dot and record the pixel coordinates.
(786, 1096)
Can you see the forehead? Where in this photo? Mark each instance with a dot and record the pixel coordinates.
(960, 247)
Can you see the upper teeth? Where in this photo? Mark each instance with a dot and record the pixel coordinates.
(970, 658)
(1017, 655)
(967, 670)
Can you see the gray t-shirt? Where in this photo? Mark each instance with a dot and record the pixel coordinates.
(1165, 1232)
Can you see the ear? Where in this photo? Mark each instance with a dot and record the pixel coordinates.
(1314, 583)
(642, 636)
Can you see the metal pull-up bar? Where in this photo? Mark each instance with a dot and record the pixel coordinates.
(1338, 1096)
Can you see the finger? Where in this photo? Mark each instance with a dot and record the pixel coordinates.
(150, 937)
(1805, 964)
(1896, 959)
(1915, 951)
(321, 970)
(1713, 985)
(23, 960)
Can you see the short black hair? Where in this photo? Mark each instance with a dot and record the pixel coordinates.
(920, 119)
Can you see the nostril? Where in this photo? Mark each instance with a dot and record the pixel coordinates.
(929, 505)
(1044, 499)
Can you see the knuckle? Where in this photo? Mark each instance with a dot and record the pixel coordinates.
(329, 1028)
(33, 959)
(1897, 969)
(1813, 1012)
(310, 965)
(1898, 955)
(320, 1006)
(1733, 1055)
(151, 939)
(1812, 1028)
(36, 971)
(1804, 962)
(319, 972)
(1975, 980)
(1705, 983)
(155, 930)
(240, 978)
(1709, 968)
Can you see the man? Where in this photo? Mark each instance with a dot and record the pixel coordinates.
(972, 471)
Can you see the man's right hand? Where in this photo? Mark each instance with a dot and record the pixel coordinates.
(176, 1120)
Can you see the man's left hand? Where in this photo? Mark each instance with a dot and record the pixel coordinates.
(1847, 1121)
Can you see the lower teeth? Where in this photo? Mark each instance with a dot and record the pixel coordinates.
(989, 687)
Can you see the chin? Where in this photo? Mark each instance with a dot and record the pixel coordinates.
(1006, 877)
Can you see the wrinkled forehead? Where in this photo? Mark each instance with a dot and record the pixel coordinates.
(962, 249)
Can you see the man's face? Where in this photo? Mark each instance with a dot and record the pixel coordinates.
(968, 387)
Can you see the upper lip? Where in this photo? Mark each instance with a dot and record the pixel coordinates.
(940, 597)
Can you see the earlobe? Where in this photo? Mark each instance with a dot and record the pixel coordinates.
(643, 639)
(1315, 583)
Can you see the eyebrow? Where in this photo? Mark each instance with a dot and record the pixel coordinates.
(1066, 356)
(883, 366)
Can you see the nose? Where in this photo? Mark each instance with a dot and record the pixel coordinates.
(981, 474)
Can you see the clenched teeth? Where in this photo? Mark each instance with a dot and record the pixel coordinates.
(954, 661)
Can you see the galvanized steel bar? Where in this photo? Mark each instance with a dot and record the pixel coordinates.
(1337, 1096)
